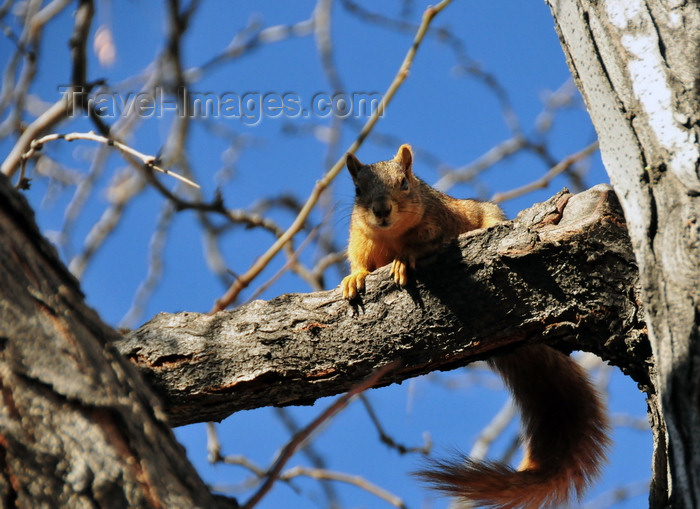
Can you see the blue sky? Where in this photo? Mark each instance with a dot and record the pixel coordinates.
(450, 117)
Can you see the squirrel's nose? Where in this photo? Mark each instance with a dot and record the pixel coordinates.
(381, 210)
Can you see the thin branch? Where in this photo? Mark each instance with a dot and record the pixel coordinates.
(148, 161)
(79, 43)
(52, 116)
(155, 267)
(545, 179)
(386, 439)
(47, 13)
(355, 480)
(630, 421)
(245, 279)
(291, 263)
(492, 156)
(316, 459)
(249, 38)
(60, 109)
(465, 63)
(129, 185)
(84, 188)
(619, 494)
(493, 430)
(213, 444)
(299, 438)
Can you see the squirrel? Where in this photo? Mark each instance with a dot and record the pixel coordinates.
(397, 218)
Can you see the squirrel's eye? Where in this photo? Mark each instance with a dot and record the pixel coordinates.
(404, 185)
(358, 191)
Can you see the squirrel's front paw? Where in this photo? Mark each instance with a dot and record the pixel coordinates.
(353, 284)
(399, 269)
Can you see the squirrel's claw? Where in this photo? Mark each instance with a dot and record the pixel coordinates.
(353, 284)
(399, 269)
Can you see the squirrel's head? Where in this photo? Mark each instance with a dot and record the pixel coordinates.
(385, 192)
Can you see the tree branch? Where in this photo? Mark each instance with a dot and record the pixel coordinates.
(562, 272)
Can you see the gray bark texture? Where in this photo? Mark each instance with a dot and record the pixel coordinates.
(563, 272)
(78, 427)
(637, 65)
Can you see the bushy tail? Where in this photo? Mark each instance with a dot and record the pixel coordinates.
(565, 428)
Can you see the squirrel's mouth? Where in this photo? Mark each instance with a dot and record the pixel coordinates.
(384, 221)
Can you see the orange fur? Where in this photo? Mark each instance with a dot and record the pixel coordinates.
(398, 218)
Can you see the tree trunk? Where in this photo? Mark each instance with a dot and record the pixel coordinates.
(78, 427)
(637, 65)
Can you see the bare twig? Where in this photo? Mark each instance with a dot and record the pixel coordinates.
(619, 494)
(85, 186)
(155, 267)
(465, 63)
(495, 154)
(250, 38)
(60, 109)
(355, 480)
(148, 161)
(292, 261)
(130, 184)
(213, 444)
(386, 439)
(299, 438)
(493, 430)
(53, 115)
(630, 421)
(316, 459)
(46, 14)
(545, 179)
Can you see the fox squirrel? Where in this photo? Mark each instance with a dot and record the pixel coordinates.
(398, 218)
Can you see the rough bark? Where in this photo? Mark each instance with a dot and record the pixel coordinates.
(637, 65)
(78, 427)
(563, 272)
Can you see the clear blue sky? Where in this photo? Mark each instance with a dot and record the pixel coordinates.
(451, 118)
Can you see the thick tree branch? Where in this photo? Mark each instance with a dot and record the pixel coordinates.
(563, 272)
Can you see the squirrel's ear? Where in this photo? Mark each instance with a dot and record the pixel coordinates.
(405, 158)
(353, 163)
